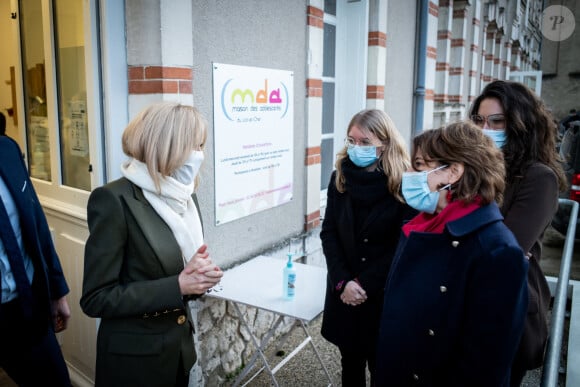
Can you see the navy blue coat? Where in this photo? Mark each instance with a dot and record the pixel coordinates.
(454, 305)
(49, 282)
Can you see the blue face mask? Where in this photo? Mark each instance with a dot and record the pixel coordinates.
(417, 193)
(498, 136)
(362, 156)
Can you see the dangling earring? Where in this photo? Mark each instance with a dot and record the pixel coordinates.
(449, 196)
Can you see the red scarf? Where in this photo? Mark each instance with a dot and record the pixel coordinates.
(435, 223)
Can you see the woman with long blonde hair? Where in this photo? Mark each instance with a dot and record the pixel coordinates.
(361, 228)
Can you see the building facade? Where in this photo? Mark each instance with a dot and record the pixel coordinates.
(77, 71)
(561, 58)
(480, 41)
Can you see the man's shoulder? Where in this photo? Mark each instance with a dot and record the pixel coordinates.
(10, 146)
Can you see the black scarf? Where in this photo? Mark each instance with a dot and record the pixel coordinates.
(366, 188)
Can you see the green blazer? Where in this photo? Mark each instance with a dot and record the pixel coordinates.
(131, 268)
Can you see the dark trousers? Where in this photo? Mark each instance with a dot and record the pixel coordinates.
(354, 364)
(29, 359)
(517, 375)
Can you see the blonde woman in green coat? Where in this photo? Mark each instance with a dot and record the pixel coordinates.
(145, 256)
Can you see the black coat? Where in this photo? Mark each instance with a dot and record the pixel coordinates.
(364, 252)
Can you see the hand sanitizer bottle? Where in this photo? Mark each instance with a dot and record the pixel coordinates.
(289, 279)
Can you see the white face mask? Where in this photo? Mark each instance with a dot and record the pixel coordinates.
(188, 171)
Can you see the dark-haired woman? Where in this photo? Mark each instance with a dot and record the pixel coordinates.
(519, 123)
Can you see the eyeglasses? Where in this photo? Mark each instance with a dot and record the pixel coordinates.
(351, 142)
(494, 121)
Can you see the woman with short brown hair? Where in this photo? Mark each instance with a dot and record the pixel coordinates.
(456, 295)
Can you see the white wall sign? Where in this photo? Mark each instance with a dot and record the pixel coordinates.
(253, 139)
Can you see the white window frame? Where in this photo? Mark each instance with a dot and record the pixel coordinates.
(350, 80)
(521, 76)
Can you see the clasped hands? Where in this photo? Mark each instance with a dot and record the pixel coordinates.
(353, 294)
(199, 274)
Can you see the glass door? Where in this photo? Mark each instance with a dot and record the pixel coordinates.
(60, 94)
(38, 137)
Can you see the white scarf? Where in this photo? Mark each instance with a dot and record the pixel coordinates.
(173, 204)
